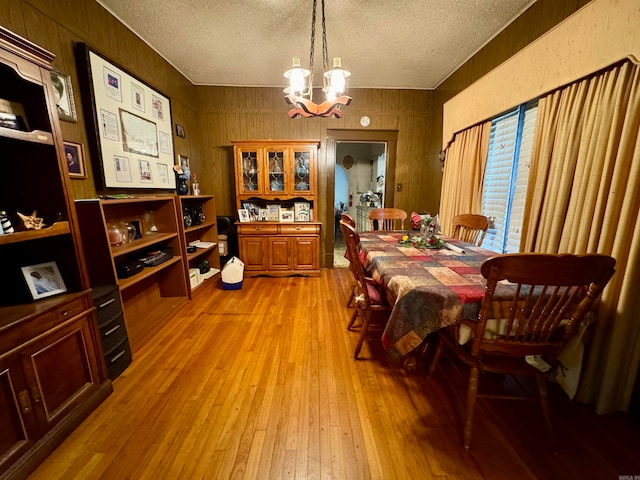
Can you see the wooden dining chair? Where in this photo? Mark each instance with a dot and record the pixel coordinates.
(469, 226)
(387, 219)
(368, 296)
(526, 321)
(351, 221)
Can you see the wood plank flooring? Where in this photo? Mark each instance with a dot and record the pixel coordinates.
(260, 383)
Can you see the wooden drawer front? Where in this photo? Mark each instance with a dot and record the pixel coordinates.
(112, 333)
(299, 229)
(257, 229)
(71, 309)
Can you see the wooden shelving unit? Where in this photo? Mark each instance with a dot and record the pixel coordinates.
(151, 296)
(52, 372)
(199, 223)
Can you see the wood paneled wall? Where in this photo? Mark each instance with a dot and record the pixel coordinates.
(214, 116)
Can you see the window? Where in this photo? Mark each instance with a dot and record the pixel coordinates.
(505, 188)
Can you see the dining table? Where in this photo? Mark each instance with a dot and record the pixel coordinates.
(429, 288)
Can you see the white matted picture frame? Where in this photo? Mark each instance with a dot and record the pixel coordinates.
(74, 158)
(63, 94)
(43, 280)
(126, 118)
(286, 215)
(301, 211)
(243, 215)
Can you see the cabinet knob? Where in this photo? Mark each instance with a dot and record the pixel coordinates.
(65, 313)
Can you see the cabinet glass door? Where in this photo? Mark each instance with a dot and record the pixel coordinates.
(275, 165)
(250, 171)
(301, 171)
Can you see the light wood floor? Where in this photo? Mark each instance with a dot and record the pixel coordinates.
(261, 383)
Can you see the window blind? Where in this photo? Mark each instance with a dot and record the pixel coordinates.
(507, 173)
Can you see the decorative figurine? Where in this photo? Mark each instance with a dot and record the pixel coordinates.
(32, 222)
(5, 222)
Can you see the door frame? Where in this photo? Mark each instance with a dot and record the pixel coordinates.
(390, 137)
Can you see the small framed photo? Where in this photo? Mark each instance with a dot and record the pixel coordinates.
(301, 212)
(243, 215)
(180, 131)
(43, 280)
(263, 214)
(63, 93)
(286, 215)
(74, 156)
(12, 115)
(273, 213)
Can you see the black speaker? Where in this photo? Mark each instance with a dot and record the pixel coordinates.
(197, 215)
(186, 216)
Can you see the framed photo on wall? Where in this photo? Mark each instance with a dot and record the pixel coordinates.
(63, 93)
(127, 119)
(74, 156)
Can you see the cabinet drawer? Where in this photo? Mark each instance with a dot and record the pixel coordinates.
(254, 229)
(71, 309)
(118, 359)
(112, 333)
(298, 229)
(107, 302)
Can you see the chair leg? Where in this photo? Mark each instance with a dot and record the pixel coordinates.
(351, 298)
(353, 319)
(435, 359)
(544, 404)
(472, 394)
(363, 333)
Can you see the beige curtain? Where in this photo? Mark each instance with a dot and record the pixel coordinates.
(584, 196)
(463, 177)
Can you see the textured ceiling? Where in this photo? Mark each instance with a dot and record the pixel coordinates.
(384, 43)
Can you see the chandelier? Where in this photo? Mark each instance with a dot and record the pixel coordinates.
(299, 93)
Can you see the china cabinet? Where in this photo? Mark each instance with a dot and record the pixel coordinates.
(281, 173)
(52, 374)
(269, 169)
(148, 269)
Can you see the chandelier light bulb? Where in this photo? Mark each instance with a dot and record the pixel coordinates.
(337, 79)
(298, 84)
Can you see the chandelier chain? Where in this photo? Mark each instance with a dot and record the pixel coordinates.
(313, 38)
(325, 51)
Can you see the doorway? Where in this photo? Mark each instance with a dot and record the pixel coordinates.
(360, 169)
(372, 151)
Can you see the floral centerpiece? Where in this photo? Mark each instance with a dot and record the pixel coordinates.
(429, 227)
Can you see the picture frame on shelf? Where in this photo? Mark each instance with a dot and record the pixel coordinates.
(12, 115)
(63, 94)
(301, 212)
(74, 159)
(273, 213)
(286, 215)
(243, 215)
(263, 214)
(253, 210)
(43, 280)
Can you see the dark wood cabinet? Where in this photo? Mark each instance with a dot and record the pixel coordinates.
(52, 374)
